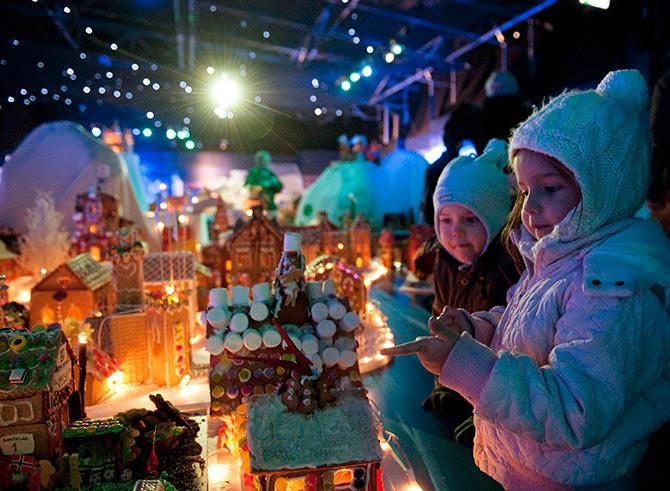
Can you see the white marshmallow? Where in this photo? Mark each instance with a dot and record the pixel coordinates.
(217, 318)
(271, 338)
(310, 345)
(292, 241)
(313, 290)
(239, 322)
(345, 343)
(329, 288)
(203, 318)
(296, 341)
(261, 292)
(214, 345)
(347, 359)
(252, 339)
(233, 342)
(325, 343)
(325, 329)
(319, 311)
(239, 295)
(350, 321)
(259, 311)
(218, 297)
(330, 356)
(336, 310)
(317, 363)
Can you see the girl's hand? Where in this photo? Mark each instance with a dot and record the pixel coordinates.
(432, 351)
(450, 320)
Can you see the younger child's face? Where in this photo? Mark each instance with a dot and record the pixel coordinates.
(548, 194)
(461, 233)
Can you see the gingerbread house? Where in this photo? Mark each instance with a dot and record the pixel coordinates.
(254, 250)
(8, 262)
(37, 379)
(96, 218)
(359, 250)
(77, 288)
(127, 254)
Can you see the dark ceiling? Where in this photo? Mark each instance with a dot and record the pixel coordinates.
(97, 61)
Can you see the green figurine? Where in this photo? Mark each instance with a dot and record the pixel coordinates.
(263, 183)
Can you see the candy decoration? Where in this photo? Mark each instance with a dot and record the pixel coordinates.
(310, 344)
(261, 292)
(244, 375)
(218, 297)
(345, 343)
(292, 242)
(239, 322)
(336, 310)
(347, 359)
(203, 318)
(252, 339)
(246, 390)
(259, 311)
(217, 318)
(233, 342)
(319, 311)
(330, 356)
(214, 345)
(217, 392)
(325, 329)
(300, 358)
(239, 295)
(329, 288)
(232, 392)
(350, 321)
(271, 338)
(313, 291)
(296, 341)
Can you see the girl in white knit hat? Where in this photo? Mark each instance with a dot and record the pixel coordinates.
(570, 381)
(473, 270)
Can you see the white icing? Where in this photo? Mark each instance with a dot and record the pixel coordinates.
(319, 311)
(347, 359)
(239, 295)
(329, 288)
(217, 318)
(345, 343)
(336, 310)
(292, 241)
(259, 311)
(252, 339)
(233, 342)
(261, 292)
(310, 344)
(214, 345)
(313, 290)
(325, 329)
(239, 322)
(349, 322)
(218, 297)
(330, 356)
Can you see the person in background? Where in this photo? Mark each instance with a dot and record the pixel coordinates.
(503, 108)
(571, 379)
(658, 197)
(473, 269)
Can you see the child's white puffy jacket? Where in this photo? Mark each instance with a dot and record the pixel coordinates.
(576, 375)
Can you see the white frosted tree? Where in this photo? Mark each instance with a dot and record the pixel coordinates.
(46, 244)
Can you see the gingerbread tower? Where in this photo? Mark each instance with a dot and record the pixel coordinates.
(291, 305)
(127, 256)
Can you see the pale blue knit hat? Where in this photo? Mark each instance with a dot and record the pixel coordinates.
(478, 184)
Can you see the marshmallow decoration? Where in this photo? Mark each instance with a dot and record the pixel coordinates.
(345, 343)
(313, 290)
(233, 342)
(261, 292)
(319, 311)
(317, 363)
(296, 340)
(217, 318)
(325, 343)
(214, 345)
(218, 297)
(259, 311)
(252, 339)
(239, 295)
(271, 338)
(325, 329)
(330, 356)
(292, 241)
(336, 310)
(239, 322)
(329, 288)
(350, 321)
(310, 344)
(347, 359)
(203, 318)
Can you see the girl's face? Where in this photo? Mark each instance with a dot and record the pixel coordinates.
(461, 233)
(549, 191)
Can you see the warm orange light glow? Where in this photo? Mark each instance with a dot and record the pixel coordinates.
(160, 226)
(95, 253)
(43, 271)
(82, 338)
(249, 212)
(115, 381)
(169, 289)
(340, 246)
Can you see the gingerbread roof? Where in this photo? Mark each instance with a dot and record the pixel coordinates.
(280, 440)
(257, 220)
(92, 273)
(28, 360)
(161, 267)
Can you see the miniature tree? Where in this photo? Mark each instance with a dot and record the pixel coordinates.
(46, 244)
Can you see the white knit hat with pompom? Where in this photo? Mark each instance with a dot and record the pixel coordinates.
(602, 136)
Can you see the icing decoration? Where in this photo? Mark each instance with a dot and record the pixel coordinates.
(259, 311)
(319, 311)
(326, 329)
(239, 322)
(300, 358)
(347, 359)
(350, 321)
(261, 292)
(233, 342)
(330, 356)
(252, 339)
(290, 281)
(218, 297)
(217, 318)
(336, 310)
(239, 295)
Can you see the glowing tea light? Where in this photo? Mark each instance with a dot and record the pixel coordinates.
(169, 289)
(115, 381)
